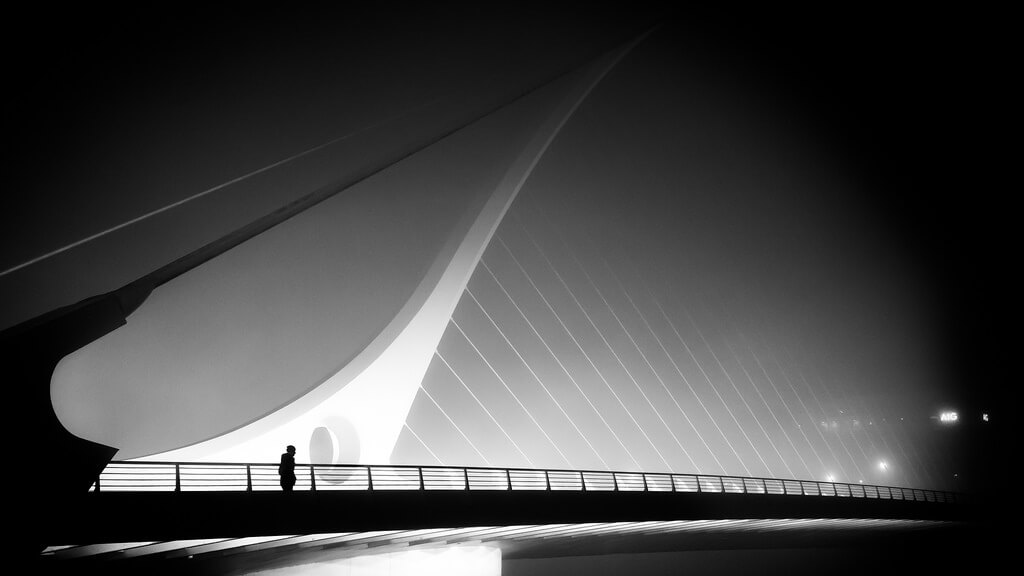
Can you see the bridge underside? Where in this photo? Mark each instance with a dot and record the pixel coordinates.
(125, 516)
(797, 546)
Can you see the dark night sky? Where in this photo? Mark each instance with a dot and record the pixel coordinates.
(914, 104)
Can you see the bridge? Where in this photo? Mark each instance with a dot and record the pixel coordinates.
(434, 285)
(204, 514)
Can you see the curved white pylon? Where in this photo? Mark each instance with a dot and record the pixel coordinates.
(364, 405)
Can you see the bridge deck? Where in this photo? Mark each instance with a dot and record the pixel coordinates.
(172, 501)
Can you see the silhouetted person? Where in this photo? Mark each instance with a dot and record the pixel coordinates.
(287, 469)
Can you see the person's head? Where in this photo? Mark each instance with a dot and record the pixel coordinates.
(291, 449)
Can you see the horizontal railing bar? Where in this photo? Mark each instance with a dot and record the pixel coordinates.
(395, 476)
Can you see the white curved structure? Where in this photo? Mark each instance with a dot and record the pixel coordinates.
(430, 203)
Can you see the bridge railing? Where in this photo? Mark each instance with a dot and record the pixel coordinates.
(206, 477)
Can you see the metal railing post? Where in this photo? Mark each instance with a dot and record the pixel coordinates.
(465, 474)
(583, 481)
(764, 485)
(248, 478)
(312, 478)
(97, 483)
(644, 478)
(420, 470)
(547, 479)
(177, 477)
(369, 478)
(615, 481)
(508, 477)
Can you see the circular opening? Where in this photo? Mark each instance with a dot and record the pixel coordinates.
(321, 446)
